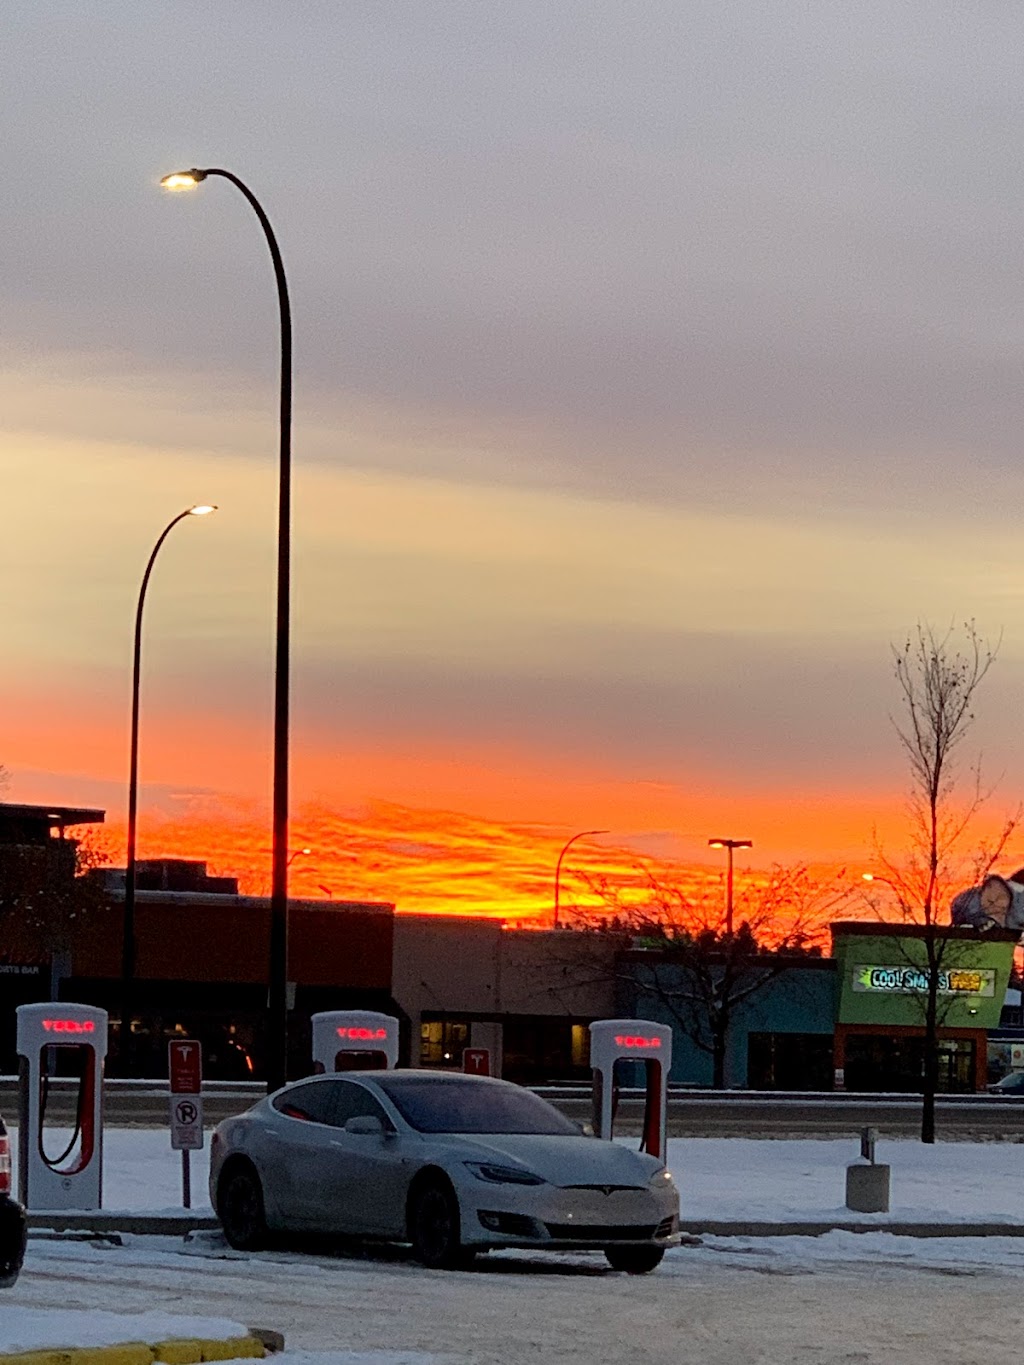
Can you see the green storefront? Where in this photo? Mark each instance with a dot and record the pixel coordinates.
(882, 992)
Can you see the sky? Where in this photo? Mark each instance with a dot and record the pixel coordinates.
(657, 368)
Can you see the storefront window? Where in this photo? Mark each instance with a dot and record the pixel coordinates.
(876, 1062)
(442, 1042)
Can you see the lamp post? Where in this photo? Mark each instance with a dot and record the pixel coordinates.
(583, 834)
(277, 1002)
(128, 920)
(731, 845)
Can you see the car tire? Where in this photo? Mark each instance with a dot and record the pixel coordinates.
(435, 1226)
(634, 1260)
(13, 1234)
(240, 1208)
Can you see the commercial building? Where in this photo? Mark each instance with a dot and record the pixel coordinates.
(883, 987)
(854, 1019)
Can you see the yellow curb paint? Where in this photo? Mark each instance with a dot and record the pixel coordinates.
(126, 1353)
(179, 1352)
(35, 1358)
(184, 1352)
(233, 1348)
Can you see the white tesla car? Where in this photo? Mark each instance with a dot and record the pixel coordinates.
(453, 1164)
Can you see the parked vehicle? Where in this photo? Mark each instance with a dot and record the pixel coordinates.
(454, 1164)
(1010, 1084)
(12, 1218)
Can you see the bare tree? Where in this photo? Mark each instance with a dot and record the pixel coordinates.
(701, 975)
(938, 677)
(45, 889)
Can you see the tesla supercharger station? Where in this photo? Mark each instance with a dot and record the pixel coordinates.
(613, 1041)
(62, 1172)
(354, 1040)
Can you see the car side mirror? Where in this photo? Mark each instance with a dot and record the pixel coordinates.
(364, 1125)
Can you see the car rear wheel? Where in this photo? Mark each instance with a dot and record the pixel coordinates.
(435, 1226)
(240, 1208)
(634, 1260)
(12, 1242)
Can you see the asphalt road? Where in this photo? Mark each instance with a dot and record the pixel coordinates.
(690, 1113)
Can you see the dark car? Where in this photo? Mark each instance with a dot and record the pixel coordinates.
(1011, 1084)
(12, 1218)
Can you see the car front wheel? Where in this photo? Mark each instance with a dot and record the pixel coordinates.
(240, 1208)
(434, 1226)
(634, 1260)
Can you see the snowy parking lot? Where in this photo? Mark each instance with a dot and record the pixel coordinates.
(861, 1297)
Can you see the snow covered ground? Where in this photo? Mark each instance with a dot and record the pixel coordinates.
(844, 1297)
(719, 1178)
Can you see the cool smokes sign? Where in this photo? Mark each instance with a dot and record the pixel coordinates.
(891, 980)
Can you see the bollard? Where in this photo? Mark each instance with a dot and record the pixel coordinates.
(867, 1182)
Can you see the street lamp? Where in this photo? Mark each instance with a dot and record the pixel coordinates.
(128, 921)
(583, 834)
(299, 853)
(731, 845)
(277, 1003)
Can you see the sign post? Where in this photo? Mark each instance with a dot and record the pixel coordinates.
(185, 1067)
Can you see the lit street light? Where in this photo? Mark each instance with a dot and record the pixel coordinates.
(583, 834)
(731, 845)
(277, 1003)
(128, 920)
(299, 853)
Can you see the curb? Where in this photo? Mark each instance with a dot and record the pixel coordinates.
(109, 1220)
(897, 1229)
(187, 1351)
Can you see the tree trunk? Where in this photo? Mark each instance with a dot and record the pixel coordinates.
(931, 1057)
(718, 1042)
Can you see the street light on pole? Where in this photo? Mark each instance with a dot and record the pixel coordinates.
(731, 845)
(583, 834)
(277, 1003)
(128, 919)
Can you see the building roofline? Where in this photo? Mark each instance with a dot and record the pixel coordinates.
(218, 899)
(57, 816)
(858, 928)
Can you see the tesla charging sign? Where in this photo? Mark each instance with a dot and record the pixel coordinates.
(346, 1040)
(69, 1042)
(185, 1063)
(185, 1069)
(613, 1041)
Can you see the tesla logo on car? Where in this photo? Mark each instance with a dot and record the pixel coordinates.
(362, 1034)
(633, 1040)
(69, 1026)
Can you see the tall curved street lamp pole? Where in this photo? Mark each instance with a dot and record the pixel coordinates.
(128, 920)
(277, 1003)
(583, 834)
(731, 845)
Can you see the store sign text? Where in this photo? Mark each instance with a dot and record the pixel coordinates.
(914, 980)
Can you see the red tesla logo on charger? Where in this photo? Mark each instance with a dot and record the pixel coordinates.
(362, 1033)
(633, 1040)
(69, 1026)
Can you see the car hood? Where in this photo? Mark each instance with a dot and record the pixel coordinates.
(560, 1160)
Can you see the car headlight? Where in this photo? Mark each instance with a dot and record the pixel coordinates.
(503, 1175)
(661, 1180)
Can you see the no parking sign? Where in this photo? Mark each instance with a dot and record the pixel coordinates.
(185, 1057)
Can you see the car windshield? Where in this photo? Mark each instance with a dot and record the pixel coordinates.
(440, 1105)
